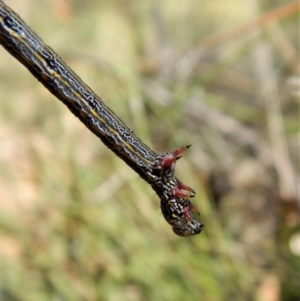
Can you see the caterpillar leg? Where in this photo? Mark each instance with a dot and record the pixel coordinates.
(168, 159)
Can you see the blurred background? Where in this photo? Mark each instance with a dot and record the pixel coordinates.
(76, 223)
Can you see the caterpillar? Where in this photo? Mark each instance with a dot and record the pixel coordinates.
(52, 72)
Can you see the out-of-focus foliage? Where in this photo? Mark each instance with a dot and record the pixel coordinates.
(76, 223)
